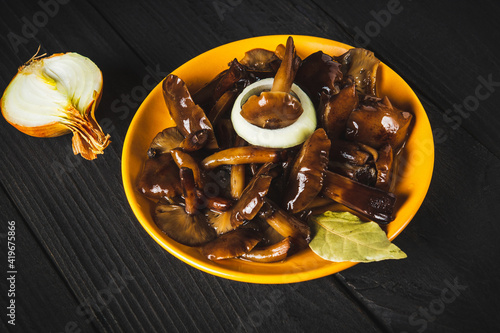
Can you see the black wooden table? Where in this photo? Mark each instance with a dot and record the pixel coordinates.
(85, 264)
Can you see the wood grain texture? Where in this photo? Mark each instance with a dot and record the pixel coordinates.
(40, 292)
(117, 278)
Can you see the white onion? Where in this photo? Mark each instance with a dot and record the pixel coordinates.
(56, 95)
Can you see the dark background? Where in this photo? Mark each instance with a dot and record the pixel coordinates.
(84, 262)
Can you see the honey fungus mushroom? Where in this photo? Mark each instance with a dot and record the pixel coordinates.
(276, 108)
(378, 124)
(306, 176)
(184, 228)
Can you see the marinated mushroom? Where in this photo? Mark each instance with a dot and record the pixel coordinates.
(159, 178)
(378, 124)
(384, 166)
(362, 65)
(233, 75)
(276, 108)
(184, 160)
(195, 140)
(221, 221)
(271, 253)
(222, 106)
(238, 174)
(232, 244)
(288, 226)
(243, 155)
(165, 141)
(259, 60)
(214, 203)
(335, 110)
(306, 175)
(348, 152)
(319, 73)
(190, 230)
(188, 116)
(252, 199)
(189, 191)
(371, 202)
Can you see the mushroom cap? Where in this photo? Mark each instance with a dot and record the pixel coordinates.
(232, 244)
(160, 178)
(165, 141)
(191, 230)
(306, 176)
(272, 109)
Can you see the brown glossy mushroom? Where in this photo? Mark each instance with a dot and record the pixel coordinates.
(195, 140)
(160, 178)
(237, 174)
(271, 253)
(243, 155)
(189, 190)
(222, 106)
(214, 203)
(335, 110)
(348, 152)
(251, 200)
(365, 174)
(234, 74)
(220, 221)
(374, 203)
(362, 65)
(165, 141)
(259, 59)
(306, 175)
(188, 116)
(384, 166)
(191, 230)
(184, 160)
(288, 226)
(276, 108)
(319, 73)
(232, 244)
(378, 124)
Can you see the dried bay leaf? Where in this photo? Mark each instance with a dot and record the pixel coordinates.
(342, 236)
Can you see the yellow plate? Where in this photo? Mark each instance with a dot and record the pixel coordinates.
(152, 117)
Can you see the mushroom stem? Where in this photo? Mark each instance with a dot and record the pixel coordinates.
(189, 190)
(285, 75)
(288, 225)
(271, 253)
(243, 155)
(374, 203)
(184, 160)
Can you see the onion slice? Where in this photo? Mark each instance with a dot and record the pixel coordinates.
(55, 95)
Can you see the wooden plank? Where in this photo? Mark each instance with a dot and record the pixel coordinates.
(42, 299)
(77, 209)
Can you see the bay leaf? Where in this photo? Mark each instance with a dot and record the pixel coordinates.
(342, 236)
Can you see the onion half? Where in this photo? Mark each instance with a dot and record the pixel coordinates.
(57, 95)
